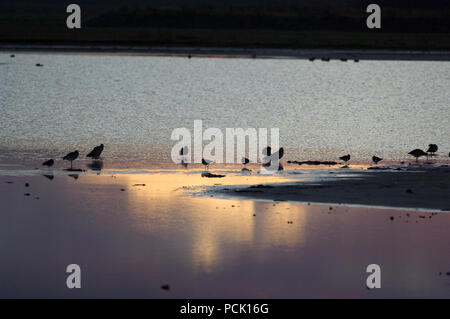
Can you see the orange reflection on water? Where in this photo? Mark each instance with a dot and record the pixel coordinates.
(163, 202)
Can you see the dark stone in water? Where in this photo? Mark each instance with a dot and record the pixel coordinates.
(211, 175)
(73, 170)
(165, 287)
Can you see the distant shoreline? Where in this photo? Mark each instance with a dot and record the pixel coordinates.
(231, 52)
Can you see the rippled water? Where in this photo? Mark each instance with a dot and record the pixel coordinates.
(132, 104)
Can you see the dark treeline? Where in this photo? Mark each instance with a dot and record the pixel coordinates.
(406, 24)
(271, 16)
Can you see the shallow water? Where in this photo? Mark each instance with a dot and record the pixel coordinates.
(129, 243)
(132, 104)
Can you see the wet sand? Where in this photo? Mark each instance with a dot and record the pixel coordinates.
(422, 189)
(133, 233)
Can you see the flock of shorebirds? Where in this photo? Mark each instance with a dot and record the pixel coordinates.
(94, 154)
(97, 151)
(432, 149)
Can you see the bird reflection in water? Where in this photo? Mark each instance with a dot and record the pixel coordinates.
(95, 165)
(49, 176)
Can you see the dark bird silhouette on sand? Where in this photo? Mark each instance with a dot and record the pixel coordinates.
(269, 156)
(48, 163)
(345, 158)
(206, 163)
(183, 152)
(417, 153)
(376, 159)
(96, 152)
(432, 149)
(245, 161)
(71, 157)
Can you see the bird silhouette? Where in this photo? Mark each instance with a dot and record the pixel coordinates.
(267, 152)
(206, 163)
(71, 157)
(376, 159)
(417, 153)
(184, 150)
(245, 161)
(49, 163)
(96, 152)
(432, 149)
(345, 158)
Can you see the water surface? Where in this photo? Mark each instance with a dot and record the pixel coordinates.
(132, 104)
(129, 243)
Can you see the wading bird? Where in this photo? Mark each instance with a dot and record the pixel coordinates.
(206, 163)
(48, 163)
(432, 149)
(417, 153)
(267, 160)
(245, 161)
(183, 152)
(71, 157)
(96, 152)
(376, 159)
(345, 158)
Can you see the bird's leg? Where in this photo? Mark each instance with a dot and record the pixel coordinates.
(71, 165)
